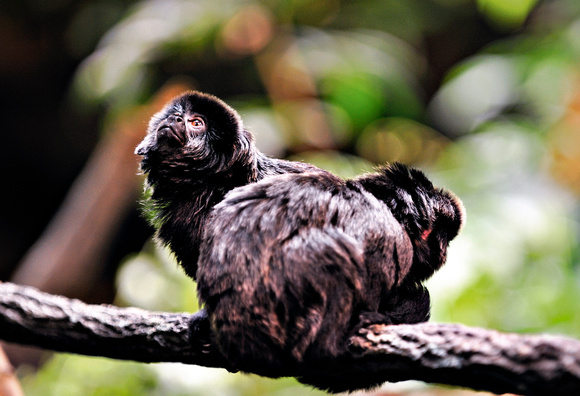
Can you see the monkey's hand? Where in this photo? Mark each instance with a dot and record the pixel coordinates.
(200, 332)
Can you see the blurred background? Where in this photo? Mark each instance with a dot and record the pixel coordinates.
(483, 95)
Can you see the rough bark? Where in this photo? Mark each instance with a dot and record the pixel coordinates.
(472, 357)
(29, 316)
(438, 353)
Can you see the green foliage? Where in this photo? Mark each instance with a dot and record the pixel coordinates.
(507, 13)
(66, 375)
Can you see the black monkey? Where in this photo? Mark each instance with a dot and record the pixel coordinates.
(289, 259)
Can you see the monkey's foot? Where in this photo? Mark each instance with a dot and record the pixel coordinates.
(368, 318)
(199, 331)
(201, 336)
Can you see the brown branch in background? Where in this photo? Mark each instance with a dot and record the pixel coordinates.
(9, 385)
(283, 71)
(68, 256)
(293, 92)
(437, 353)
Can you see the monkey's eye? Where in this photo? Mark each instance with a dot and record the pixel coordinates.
(197, 122)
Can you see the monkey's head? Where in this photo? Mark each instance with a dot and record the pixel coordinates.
(193, 137)
(431, 216)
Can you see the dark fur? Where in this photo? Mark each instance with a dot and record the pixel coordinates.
(289, 259)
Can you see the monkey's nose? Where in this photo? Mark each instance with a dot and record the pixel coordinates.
(176, 117)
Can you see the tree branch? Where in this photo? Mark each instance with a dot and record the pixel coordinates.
(472, 357)
(439, 353)
(31, 317)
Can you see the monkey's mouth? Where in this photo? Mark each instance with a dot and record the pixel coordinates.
(171, 134)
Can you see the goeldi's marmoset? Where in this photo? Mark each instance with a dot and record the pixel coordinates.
(290, 259)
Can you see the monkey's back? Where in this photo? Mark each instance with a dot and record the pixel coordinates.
(288, 264)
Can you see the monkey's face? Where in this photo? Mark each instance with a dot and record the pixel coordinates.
(174, 131)
(194, 133)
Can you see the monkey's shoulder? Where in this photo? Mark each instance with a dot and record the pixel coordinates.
(282, 205)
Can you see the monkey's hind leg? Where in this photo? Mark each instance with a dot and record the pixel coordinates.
(301, 310)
